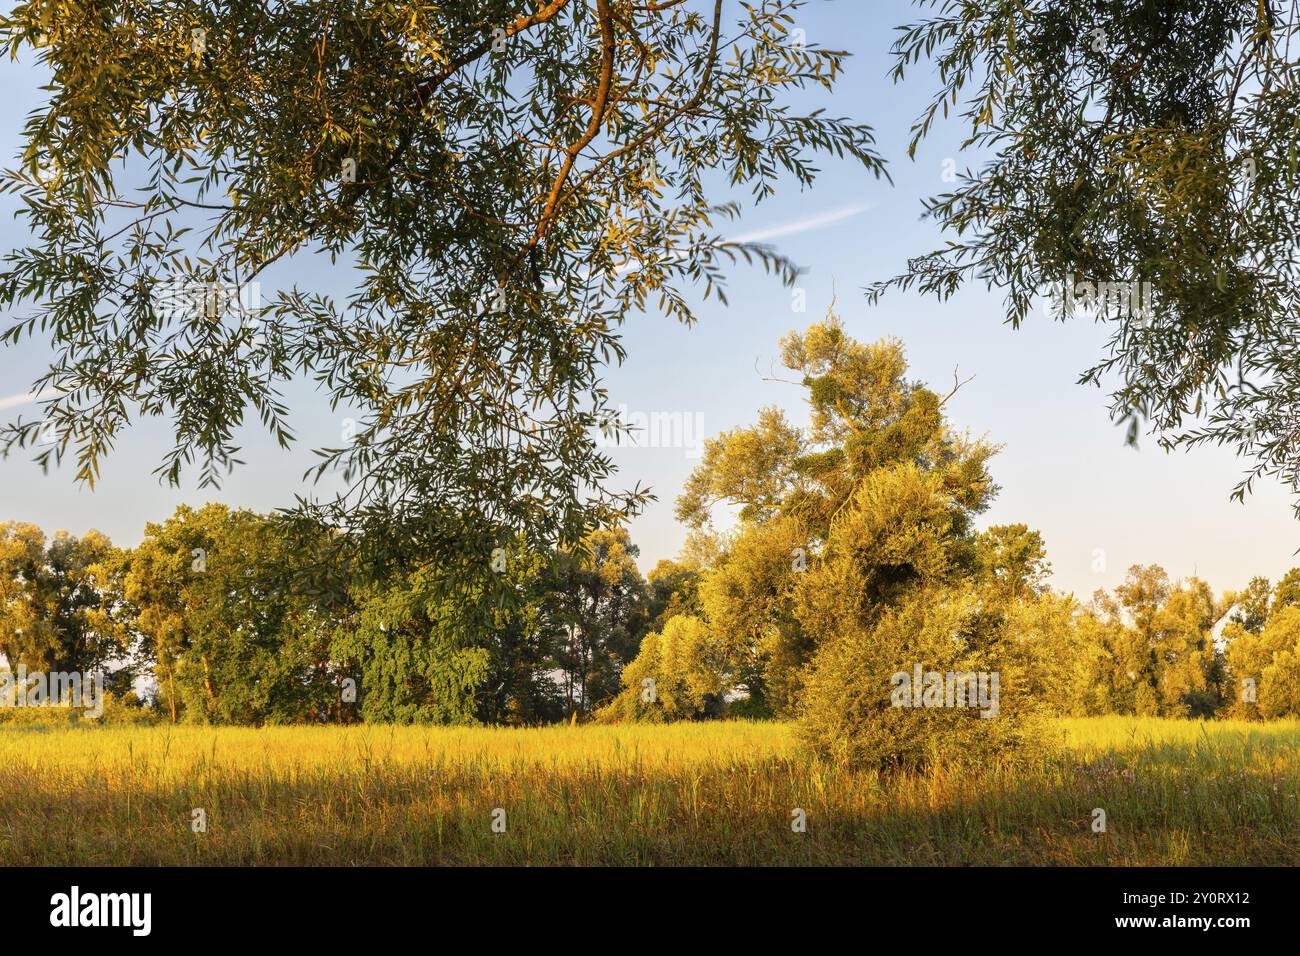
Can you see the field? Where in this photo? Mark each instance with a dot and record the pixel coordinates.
(720, 793)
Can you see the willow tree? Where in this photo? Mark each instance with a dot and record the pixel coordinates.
(508, 182)
(1142, 157)
(829, 534)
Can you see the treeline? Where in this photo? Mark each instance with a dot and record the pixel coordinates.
(1171, 649)
(235, 617)
(855, 558)
(1152, 648)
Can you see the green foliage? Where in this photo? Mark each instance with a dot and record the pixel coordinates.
(119, 709)
(1165, 650)
(217, 601)
(1153, 143)
(56, 599)
(1287, 590)
(1013, 559)
(1150, 652)
(1065, 649)
(672, 588)
(865, 415)
(680, 673)
(490, 168)
(1187, 663)
(850, 709)
(1270, 660)
(842, 523)
(900, 530)
(598, 599)
(1251, 606)
(751, 467)
(417, 661)
(895, 591)
(748, 600)
(240, 618)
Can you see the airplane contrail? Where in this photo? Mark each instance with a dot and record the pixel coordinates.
(792, 228)
(27, 398)
(807, 224)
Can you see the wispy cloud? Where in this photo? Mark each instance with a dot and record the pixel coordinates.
(808, 224)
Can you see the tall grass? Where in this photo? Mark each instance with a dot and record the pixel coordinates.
(1174, 792)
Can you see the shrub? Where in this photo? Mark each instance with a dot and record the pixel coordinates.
(686, 670)
(859, 703)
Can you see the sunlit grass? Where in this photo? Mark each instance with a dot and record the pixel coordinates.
(710, 793)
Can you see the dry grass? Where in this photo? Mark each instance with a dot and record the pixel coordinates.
(1174, 793)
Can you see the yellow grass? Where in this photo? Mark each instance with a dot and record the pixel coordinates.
(717, 793)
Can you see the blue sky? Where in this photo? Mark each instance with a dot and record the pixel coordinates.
(1064, 469)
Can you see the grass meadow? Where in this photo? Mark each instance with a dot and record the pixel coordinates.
(1174, 793)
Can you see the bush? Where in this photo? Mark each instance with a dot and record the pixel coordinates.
(858, 705)
(679, 674)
